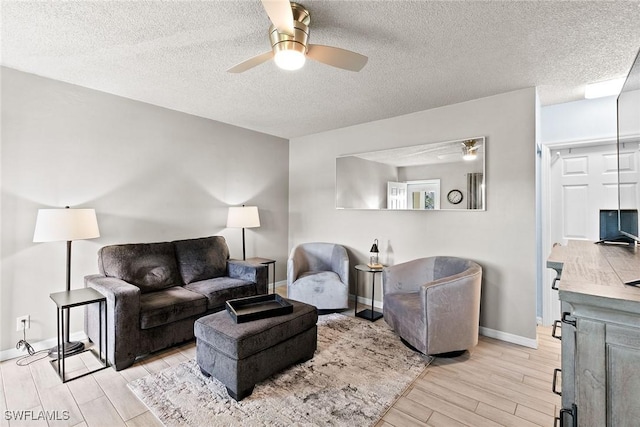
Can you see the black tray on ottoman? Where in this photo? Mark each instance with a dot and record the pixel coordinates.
(258, 307)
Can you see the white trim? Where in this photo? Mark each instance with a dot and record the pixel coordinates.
(576, 143)
(364, 302)
(573, 143)
(504, 336)
(40, 345)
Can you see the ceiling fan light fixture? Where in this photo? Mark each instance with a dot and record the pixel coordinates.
(289, 59)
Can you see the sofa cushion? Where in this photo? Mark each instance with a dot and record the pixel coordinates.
(149, 266)
(169, 305)
(221, 289)
(201, 259)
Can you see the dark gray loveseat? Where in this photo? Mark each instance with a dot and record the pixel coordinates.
(156, 291)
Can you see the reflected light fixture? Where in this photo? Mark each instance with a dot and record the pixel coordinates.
(243, 217)
(469, 150)
(605, 88)
(53, 225)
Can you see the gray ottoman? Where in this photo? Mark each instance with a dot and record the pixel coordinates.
(241, 355)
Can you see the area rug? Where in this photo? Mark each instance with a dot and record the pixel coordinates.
(357, 372)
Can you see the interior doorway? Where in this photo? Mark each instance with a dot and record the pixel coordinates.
(580, 180)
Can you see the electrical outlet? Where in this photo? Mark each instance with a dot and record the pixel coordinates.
(27, 323)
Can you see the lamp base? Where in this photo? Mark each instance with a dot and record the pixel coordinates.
(70, 348)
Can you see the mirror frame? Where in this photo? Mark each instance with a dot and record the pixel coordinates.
(381, 198)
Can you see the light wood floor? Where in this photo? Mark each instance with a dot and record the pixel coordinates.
(495, 384)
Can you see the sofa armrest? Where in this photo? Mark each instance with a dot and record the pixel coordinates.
(123, 318)
(245, 270)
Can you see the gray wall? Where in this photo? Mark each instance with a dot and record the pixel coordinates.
(152, 174)
(363, 183)
(502, 238)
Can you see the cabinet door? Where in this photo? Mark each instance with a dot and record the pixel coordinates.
(591, 396)
(623, 376)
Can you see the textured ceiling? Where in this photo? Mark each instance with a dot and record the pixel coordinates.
(422, 55)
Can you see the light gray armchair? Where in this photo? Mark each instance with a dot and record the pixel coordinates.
(434, 303)
(318, 274)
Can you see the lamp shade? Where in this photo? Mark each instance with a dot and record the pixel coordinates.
(243, 217)
(65, 224)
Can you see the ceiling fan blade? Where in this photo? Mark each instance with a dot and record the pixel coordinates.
(251, 62)
(337, 57)
(281, 15)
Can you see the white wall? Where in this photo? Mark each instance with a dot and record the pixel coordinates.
(152, 174)
(502, 238)
(585, 120)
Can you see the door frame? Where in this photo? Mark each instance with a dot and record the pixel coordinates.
(546, 295)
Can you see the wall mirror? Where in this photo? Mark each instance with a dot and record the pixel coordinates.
(436, 176)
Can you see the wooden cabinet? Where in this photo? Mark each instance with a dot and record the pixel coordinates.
(600, 334)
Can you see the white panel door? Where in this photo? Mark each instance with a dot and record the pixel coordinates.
(585, 180)
(396, 195)
(581, 182)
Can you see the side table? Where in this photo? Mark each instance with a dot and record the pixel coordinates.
(74, 298)
(369, 314)
(267, 262)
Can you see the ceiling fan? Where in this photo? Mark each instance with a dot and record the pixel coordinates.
(289, 33)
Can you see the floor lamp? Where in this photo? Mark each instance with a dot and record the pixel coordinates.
(54, 225)
(243, 217)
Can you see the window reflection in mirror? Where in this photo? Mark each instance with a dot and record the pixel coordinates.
(421, 177)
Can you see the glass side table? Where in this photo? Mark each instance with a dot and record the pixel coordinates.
(369, 314)
(267, 262)
(75, 298)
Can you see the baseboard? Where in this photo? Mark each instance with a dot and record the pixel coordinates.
(363, 302)
(12, 353)
(504, 336)
(81, 336)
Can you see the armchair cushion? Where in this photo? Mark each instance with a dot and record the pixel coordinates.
(201, 259)
(169, 305)
(149, 266)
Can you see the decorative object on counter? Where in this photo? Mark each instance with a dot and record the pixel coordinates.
(243, 217)
(54, 225)
(373, 255)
